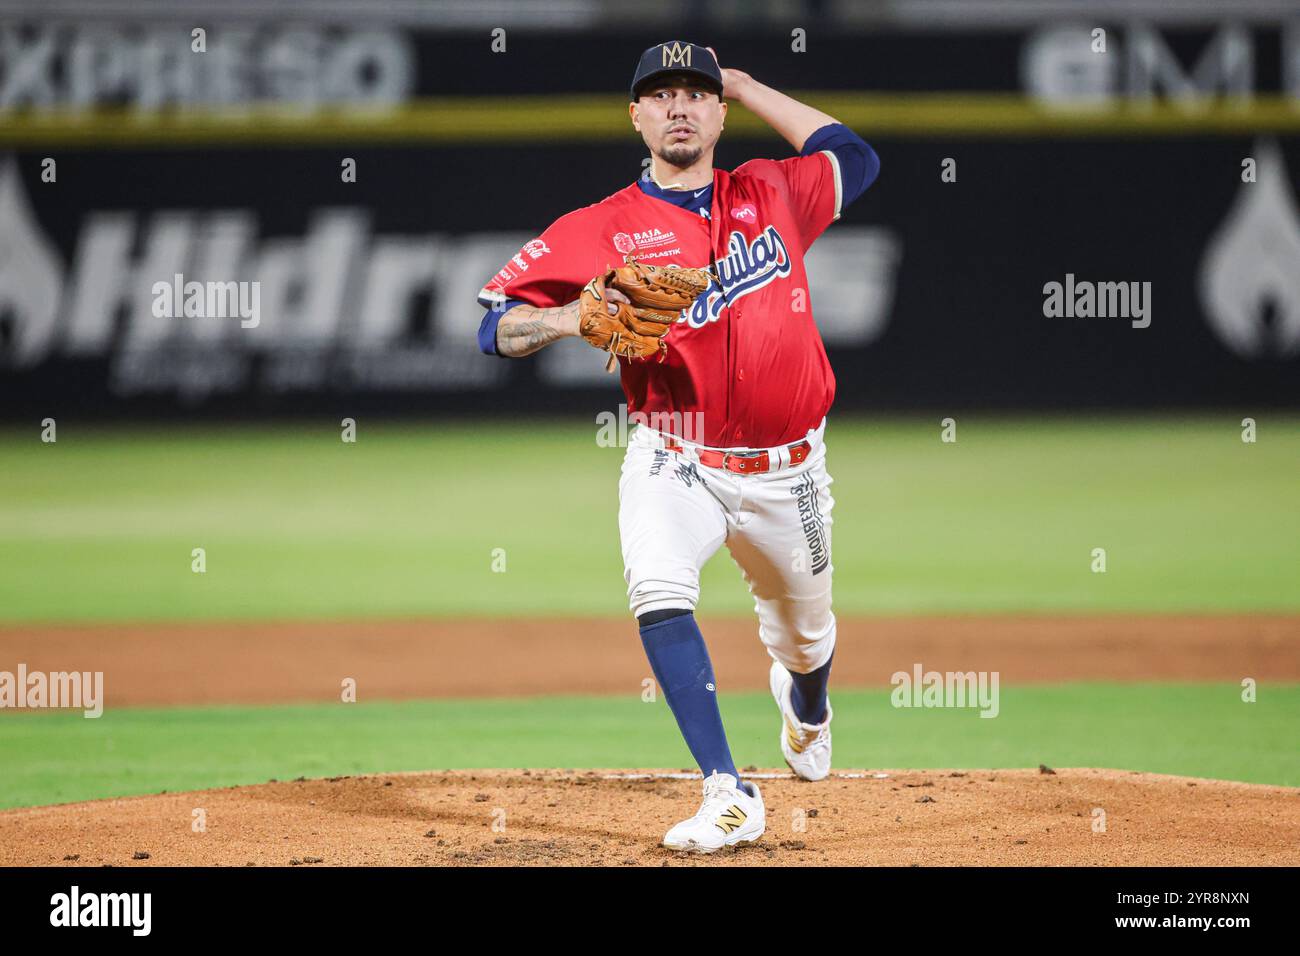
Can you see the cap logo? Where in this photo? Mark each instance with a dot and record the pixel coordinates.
(676, 55)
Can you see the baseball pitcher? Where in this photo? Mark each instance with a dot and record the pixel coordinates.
(693, 280)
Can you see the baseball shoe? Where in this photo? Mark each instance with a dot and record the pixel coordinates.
(806, 747)
(729, 815)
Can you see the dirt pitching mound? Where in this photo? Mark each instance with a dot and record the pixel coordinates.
(553, 817)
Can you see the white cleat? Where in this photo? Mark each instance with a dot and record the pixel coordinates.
(806, 747)
(729, 816)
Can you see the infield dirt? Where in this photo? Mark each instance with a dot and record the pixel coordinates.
(512, 818)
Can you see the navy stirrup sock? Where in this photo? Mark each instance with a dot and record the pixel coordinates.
(808, 694)
(680, 661)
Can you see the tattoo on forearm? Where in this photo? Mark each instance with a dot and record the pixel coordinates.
(527, 329)
(520, 338)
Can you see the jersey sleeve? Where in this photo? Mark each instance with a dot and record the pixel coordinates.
(548, 271)
(814, 183)
(807, 185)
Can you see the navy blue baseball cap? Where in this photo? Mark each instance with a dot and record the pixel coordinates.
(673, 58)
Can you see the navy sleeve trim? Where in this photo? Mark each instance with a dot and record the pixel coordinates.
(487, 330)
(858, 165)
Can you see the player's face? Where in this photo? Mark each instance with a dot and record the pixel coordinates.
(679, 120)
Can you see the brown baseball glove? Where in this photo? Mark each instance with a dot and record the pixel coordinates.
(659, 293)
(657, 296)
(615, 333)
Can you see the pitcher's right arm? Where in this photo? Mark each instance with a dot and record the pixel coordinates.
(525, 329)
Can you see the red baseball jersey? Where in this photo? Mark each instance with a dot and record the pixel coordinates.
(747, 355)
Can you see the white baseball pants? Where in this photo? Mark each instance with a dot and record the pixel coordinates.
(674, 514)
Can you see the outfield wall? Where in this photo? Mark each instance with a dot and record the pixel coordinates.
(1154, 182)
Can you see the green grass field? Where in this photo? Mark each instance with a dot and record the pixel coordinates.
(296, 524)
(1193, 729)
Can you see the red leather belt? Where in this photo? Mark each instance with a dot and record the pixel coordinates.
(745, 462)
